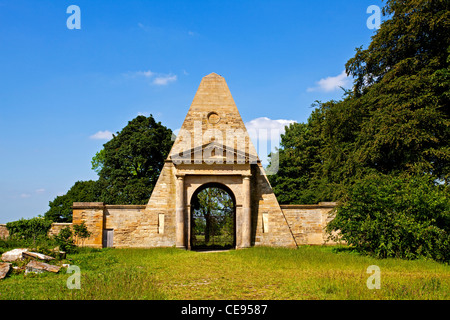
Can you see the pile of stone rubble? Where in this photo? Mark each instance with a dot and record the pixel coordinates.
(36, 262)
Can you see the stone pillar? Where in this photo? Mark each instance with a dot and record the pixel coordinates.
(246, 213)
(238, 226)
(180, 214)
(92, 213)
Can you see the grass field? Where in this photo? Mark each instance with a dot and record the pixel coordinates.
(255, 273)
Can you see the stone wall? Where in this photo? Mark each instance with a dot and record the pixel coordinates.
(137, 226)
(269, 224)
(57, 227)
(162, 204)
(308, 222)
(92, 213)
(129, 225)
(132, 226)
(54, 229)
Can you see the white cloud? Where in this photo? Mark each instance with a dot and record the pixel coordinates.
(164, 80)
(27, 195)
(135, 74)
(102, 135)
(268, 124)
(265, 134)
(146, 74)
(331, 83)
(159, 79)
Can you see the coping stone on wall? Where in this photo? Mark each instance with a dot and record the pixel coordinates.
(87, 205)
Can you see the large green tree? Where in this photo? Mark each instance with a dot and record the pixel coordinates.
(396, 118)
(298, 158)
(402, 88)
(128, 167)
(130, 163)
(61, 207)
(388, 136)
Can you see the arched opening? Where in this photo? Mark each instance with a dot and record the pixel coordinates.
(213, 218)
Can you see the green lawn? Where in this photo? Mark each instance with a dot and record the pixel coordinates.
(256, 273)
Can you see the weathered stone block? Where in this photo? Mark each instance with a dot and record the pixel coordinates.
(14, 255)
(38, 267)
(4, 269)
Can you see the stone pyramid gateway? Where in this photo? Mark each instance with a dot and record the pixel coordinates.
(213, 149)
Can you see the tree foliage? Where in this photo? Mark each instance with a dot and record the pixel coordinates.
(128, 167)
(131, 162)
(64, 239)
(394, 123)
(61, 207)
(29, 228)
(298, 157)
(396, 217)
(396, 119)
(81, 232)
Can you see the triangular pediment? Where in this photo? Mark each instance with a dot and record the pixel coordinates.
(211, 153)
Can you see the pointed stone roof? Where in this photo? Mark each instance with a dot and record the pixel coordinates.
(212, 75)
(213, 116)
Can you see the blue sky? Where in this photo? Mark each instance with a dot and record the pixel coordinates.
(63, 91)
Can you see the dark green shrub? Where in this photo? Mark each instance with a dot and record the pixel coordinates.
(29, 229)
(81, 232)
(64, 239)
(406, 217)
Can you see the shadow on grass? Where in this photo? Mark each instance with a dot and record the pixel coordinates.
(203, 248)
(345, 249)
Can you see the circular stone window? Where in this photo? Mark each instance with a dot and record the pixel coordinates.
(213, 117)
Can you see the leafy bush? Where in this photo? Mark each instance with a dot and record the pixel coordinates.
(64, 239)
(406, 217)
(29, 228)
(80, 231)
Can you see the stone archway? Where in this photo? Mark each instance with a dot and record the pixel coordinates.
(238, 186)
(212, 217)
